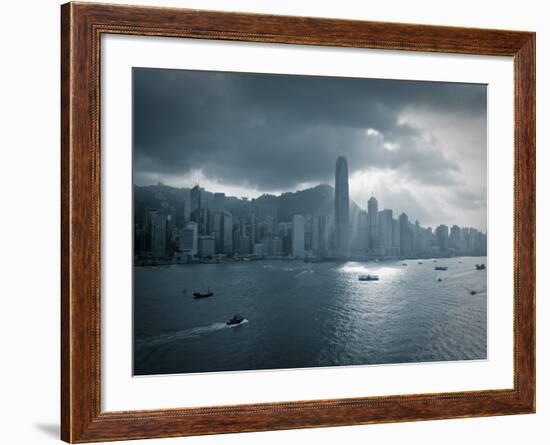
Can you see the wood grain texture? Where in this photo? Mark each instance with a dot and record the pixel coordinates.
(81, 28)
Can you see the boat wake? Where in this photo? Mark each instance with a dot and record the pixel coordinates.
(183, 334)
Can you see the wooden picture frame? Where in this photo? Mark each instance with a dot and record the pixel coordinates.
(82, 25)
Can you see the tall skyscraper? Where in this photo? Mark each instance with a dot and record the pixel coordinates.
(227, 231)
(216, 230)
(405, 235)
(159, 234)
(199, 213)
(341, 208)
(372, 223)
(454, 238)
(188, 241)
(396, 237)
(442, 236)
(298, 236)
(219, 202)
(186, 208)
(196, 195)
(362, 233)
(385, 230)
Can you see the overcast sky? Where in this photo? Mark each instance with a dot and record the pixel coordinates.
(419, 147)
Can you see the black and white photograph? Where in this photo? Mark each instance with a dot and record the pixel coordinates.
(286, 221)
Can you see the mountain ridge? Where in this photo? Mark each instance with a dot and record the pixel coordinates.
(317, 200)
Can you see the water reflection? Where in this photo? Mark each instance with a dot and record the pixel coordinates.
(306, 315)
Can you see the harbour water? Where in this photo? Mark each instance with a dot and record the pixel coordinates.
(300, 315)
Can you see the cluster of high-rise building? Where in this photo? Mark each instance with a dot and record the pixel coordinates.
(206, 230)
(381, 235)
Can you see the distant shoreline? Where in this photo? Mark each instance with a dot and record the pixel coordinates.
(157, 262)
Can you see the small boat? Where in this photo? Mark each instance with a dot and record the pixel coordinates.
(420, 262)
(471, 291)
(440, 267)
(404, 264)
(369, 277)
(206, 294)
(237, 319)
(480, 266)
(440, 280)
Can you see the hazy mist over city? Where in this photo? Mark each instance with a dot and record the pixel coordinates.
(419, 147)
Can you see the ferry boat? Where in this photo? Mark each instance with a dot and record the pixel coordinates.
(237, 319)
(369, 277)
(206, 294)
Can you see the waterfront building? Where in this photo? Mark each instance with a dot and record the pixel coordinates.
(454, 238)
(267, 241)
(362, 232)
(186, 212)
(372, 224)
(259, 250)
(196, 199)
(341, 208)
(298, 236)
(463, 240)
(405, 235)
(442, 237)
(216, 230)
(315, 235)
(147, 238)
(267, 227)
(396, 237)
(325, 228)
(277, 246)
(236, 238)
(206, 247)
(284, 230)
(199, 209)
(416, 238)
(159, 234)
(308, 232)
(252, 226)
(385, 234)
(320, 235)
(424, 240)
(188, 239)
(476, 242)
(155, 233)
(227, 233)
(483, 243)
(244, 245)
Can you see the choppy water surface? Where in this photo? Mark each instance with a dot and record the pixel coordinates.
(306, 315)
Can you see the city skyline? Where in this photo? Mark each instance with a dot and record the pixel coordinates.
(417, 146)
(203, 226)
(359, 205)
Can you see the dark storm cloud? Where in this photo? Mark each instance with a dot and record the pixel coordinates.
(272, 132)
